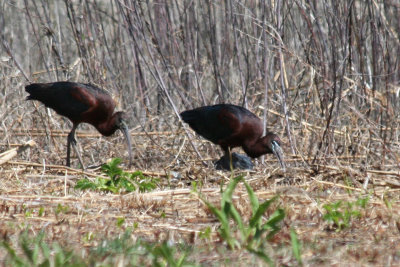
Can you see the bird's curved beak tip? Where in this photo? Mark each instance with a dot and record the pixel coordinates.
(125, 131)
(277, 150)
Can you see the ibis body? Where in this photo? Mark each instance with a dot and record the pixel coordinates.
(80, 103)
(232, 126)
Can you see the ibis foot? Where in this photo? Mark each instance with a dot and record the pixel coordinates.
(238, 162)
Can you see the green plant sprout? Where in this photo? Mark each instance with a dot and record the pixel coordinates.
(251, 233)
(119, 181)
(340, 214)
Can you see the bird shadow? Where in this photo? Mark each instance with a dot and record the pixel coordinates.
(239, 161)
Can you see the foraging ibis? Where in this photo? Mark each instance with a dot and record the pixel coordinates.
(232, 126)
(81, 103)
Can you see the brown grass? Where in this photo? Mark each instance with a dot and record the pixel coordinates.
(173, 213)
(324, 75)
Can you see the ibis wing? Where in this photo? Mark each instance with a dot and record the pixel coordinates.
(212, 122)
(66, 98)
(85, 98)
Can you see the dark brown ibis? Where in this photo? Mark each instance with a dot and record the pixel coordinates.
(232, 126)
(81, 103)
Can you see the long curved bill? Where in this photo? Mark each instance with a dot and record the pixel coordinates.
(125, 131)
(277, 150)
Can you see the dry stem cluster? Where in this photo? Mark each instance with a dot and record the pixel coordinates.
(324, 75)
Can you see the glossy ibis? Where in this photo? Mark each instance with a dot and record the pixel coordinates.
(81, 103)
(231, 126)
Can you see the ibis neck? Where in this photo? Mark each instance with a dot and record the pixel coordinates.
(108, 127)
(256, 149)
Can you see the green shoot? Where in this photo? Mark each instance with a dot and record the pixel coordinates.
(118, 181)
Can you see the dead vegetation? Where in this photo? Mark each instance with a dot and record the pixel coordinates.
(323, 75)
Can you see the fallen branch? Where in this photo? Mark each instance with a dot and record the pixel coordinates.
(9, 154)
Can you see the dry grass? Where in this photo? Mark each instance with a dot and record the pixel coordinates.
(173, 213)
(323, 75)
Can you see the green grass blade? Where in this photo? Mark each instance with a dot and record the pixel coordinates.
(225, 230)
(256, 219)
(295, 246)
(227, 194)
(276, 217)
(272, 223)
(28, 252)
(218, 213)
(262, 255)
(16, 260)
(253, 198)
(230, 210)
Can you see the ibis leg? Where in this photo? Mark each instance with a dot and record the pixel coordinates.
(72, 141)
(233, 160)
(228, 155)
(225, 162)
